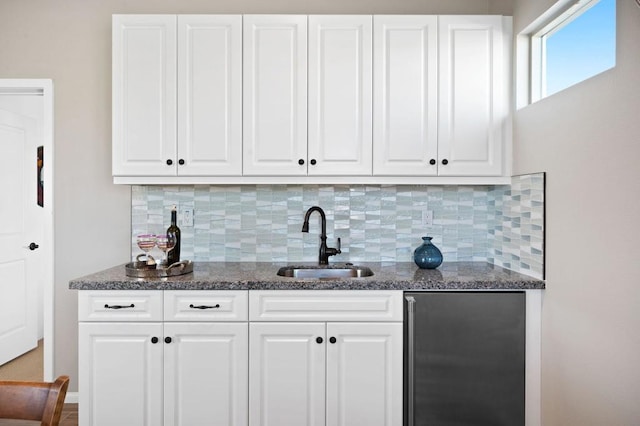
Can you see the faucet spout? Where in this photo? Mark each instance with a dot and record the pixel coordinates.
(325, 252)
(323, 218)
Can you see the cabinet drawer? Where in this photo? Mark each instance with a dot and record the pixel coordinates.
(305, 305)
(120, 305)
(191, 305)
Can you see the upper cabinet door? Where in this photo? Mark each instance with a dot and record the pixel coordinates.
(405, 140)
(340, 95)
(144, 95)
(275, 95)
(209, 95)
(472, 84)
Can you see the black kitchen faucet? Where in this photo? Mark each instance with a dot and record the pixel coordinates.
(325, 252)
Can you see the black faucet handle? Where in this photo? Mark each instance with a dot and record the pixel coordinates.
(333, 251)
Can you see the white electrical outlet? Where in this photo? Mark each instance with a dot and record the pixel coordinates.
(187, 218)
(427, 218)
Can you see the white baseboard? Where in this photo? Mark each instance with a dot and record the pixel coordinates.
(71, 398)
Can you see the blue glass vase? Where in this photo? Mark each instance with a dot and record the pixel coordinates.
(427, 256)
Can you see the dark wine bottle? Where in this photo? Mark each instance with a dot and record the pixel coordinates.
(173, 232)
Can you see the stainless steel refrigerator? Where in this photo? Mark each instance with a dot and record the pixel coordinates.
(464, 361)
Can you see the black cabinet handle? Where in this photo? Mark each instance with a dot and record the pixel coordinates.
(167, 339)
(432, 161)
(319, 340)
(119, 306)
(181, 162)
(192, 306)
(33, 246)
(154, 340)
(313, 161)
(445, 161)
(169, 162)
(332, 339)
(301, 161)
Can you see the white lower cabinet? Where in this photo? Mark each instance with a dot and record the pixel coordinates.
(308, 372)
(287, 374)
(162, 373)
(205, 374)
(364, 374)
(120, 374)
(237, 358)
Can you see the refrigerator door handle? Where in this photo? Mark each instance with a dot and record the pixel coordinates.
(411, 303)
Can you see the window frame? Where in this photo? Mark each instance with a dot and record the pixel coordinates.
(547, 25)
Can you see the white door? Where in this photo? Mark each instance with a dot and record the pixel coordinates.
(275, 95)
(144, 95)
(340, 95)
(209, 95)
(120, 366)
(364, 374)
(472, 84)
(19, 297)
(206, 374)
(286, 374)
(405, 129)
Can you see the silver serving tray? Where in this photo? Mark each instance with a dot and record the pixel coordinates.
(142, 270)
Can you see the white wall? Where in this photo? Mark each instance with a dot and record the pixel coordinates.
(69, 41)
(587, 139)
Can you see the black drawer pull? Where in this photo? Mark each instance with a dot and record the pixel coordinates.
(319, 340)
(332, 340)
(154, 340)
(119, 306)
(192, 306)
(167, 339)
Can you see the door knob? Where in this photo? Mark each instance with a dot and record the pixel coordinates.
(33, 246)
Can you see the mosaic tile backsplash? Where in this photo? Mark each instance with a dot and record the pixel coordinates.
(498, 224)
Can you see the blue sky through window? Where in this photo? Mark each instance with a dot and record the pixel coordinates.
(583, 48)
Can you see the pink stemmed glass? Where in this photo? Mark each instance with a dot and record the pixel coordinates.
(146, 242)
(165, 243)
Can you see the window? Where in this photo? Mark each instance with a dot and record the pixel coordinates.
(572, 47)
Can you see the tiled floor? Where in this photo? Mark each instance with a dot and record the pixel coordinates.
(69, 418)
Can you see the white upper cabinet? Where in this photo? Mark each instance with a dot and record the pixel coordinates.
(340, 95)
(177, 95)
(440, 100)
(472, 107)
(406, 95)
(275, 95)
(144, 94)
(279, 99)
(209, 95)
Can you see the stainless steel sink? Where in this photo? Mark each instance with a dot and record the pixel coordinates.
(325, 272)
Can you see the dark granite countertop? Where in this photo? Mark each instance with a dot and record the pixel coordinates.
(262, 276)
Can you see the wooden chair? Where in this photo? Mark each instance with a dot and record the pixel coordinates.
(40, 401)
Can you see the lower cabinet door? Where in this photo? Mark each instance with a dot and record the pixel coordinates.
(286, 374)
(205, 374)
(120, 374)
(364, 374)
